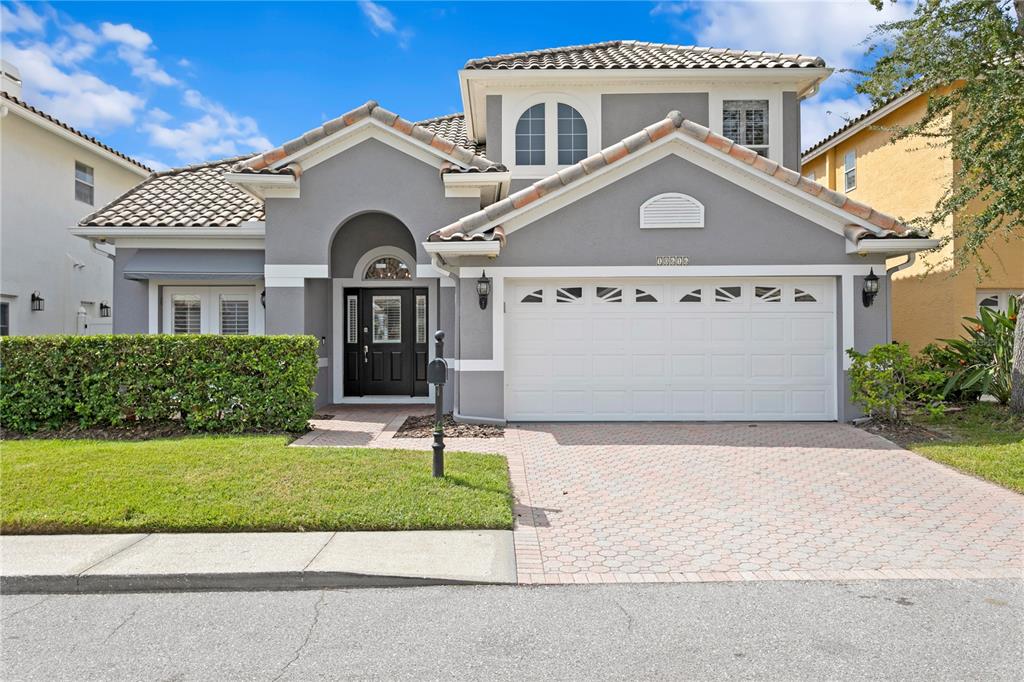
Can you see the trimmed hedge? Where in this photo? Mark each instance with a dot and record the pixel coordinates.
(205, 382)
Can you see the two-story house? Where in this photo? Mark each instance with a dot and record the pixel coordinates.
(615, 231)
(932, 294)
(50, 176)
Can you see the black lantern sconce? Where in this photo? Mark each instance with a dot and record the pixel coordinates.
(870, 289)
(483, 289)
(104, 309)
(263, 298)
(38, 302)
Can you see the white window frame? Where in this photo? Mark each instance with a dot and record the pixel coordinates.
(850, 171)
(210, 296)
(515, 105)
(1002, 297)
(717, 97)
(91, 183)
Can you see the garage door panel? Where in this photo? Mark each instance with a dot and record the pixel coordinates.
(711, 357)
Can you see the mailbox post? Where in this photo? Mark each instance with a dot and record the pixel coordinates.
(437, 374)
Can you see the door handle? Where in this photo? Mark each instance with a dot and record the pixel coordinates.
(366, 354)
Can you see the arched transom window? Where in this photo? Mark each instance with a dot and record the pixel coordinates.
(530, 137)
(551, 133)
(388, 268)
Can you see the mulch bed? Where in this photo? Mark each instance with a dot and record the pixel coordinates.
(903, 434)
(423, 427)
(73, 431)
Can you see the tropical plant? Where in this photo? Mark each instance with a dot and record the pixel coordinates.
(982, 361)
(888, 377)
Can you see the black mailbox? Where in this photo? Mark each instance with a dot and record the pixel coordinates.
(437, 371)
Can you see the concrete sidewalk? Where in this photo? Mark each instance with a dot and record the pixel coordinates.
(253, 561)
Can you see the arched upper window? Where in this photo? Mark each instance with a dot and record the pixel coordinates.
(530, 137)
(388, 267)
(572, 136)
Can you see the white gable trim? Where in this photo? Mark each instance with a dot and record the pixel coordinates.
(361, 131)
(733, 170)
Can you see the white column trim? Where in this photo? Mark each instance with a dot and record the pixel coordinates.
(848, 314)
(154, 307)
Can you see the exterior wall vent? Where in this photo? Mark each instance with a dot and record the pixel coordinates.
(671, 210)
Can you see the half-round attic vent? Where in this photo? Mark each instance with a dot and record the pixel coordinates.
(671, 210)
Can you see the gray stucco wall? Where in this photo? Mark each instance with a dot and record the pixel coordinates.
(494, 128)
(318, 323)
(365, 232)
(130, 302)
(741, 228)
(623, 115)
(286, 310)
(791, 131)
(372, 176)
(482, 395)
(476, 332)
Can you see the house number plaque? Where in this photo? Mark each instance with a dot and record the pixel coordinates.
(672, 260)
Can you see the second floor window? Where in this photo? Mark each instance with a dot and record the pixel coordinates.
(572, 136)
(85, 186)
(745, 121)
(850, 170)
(530, 137)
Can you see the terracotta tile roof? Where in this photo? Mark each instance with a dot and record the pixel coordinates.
(88, 138)
(465, 156)
(853, 122)
(193, 196)
(453, 127)
(875, 223)
(632, 54)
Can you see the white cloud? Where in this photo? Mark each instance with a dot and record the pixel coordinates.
(126, 34)
(832, 29)
(382, 20)
(820, 116)
(79, 98)
(22, 19)
(215, 133)
(144, 67)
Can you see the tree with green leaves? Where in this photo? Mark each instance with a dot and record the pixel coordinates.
(968, 56)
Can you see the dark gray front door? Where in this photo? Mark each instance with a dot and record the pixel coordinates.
(386, 354)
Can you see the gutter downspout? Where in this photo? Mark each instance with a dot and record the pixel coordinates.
(98, 250)
(889, 272)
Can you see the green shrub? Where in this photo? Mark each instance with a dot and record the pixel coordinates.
(886, 378)
(982, 361)
(208, 383)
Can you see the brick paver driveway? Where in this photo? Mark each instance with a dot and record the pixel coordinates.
(662, 502)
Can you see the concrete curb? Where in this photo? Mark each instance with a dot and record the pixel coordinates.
(165, 562)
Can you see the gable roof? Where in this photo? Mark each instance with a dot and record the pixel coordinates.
(632, 54)
(453, 127)
(192, 196)
(8, 97)
(857, 122)
(429, 133)
(878, 224)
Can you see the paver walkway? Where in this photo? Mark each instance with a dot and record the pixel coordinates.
(692, 502)
(655, 502)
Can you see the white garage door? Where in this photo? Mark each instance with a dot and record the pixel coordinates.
(670, 349)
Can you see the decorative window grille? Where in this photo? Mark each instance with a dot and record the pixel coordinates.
(768, 294)
(530, 137)
(609, 294)
(421, 319)
(746, 121)
(234, 315)
(85, 183)
(351, 319)
(536, 296)
(801, 296)
(644, 296)
(728, 294)
(695, 296)
(188, 314)
(572, 136)
(569, 295)
(671, 210)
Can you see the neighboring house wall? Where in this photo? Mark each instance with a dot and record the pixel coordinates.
(37, 176)
(907, 178)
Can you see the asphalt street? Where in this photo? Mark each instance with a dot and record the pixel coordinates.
(928, 630)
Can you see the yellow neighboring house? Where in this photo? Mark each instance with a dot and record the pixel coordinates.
(906, 179)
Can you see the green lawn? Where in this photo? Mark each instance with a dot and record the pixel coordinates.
(220, 483)
(986, 441)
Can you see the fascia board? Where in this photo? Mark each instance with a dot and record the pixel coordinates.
(893, 246)
(860, 125)
(467, 248)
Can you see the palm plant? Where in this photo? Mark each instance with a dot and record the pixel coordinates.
(982, 361)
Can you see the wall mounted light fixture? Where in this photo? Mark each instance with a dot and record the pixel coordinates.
(483, 289)
(38, 302)
(870, 289)
(104, 309)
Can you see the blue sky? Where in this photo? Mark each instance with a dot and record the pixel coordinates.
(173, 83)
